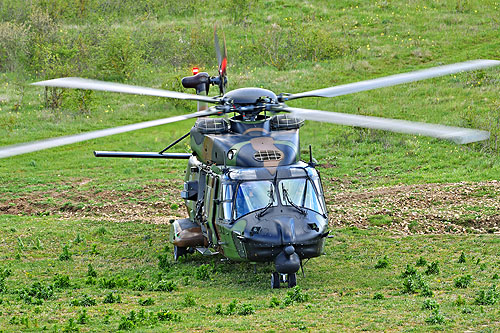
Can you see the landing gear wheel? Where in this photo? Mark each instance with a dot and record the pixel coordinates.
(179, 252)
(275, 280)
(292, 280)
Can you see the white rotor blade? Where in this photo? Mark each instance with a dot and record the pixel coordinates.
(66, 140)
(393, 80)
(456, 134)
(80, 83)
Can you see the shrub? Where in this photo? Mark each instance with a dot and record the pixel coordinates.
(164, 262)
(203, 272)
(430, 304)
(487, 297)
(414, 283)
(189, 301)
(91, 272)
(165, 315)
(409, 271)
(432, 268)
(421, 262)
(382, 263)
(165, 285)
(274, 302)
(218, 309)
(462, 259)
(378, 296)
(36, 293)
(71, 326)
(14, 46)
(110, 299)
(295, 295)
(83, 318)
(435, 318)
(65, 255)
(61, 281)
(463, 281)
(113, 282)
(146, 302)
(3, 275)
(246, 309)
(231, 307)
(86, 300)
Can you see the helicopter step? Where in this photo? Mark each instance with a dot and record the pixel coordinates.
(186, 235)
(206, 251)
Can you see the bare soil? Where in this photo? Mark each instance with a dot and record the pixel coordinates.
(405, 209)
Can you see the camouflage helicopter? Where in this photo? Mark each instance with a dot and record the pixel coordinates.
(248, 194)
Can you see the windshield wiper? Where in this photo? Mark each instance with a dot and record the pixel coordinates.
(287, 198)
(271, 195)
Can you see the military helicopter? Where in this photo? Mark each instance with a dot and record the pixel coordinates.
(248, 194)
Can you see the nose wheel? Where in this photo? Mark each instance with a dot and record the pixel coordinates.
(278, 278)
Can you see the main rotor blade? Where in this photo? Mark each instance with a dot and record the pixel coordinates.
(66, 140)
(80, 83)
(217, 49)
(458, 135)
(393, 80)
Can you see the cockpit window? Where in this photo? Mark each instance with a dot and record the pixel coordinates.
(254, 195)
(299, 192)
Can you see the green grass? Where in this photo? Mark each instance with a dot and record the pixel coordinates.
(62, 196)
(337, 292)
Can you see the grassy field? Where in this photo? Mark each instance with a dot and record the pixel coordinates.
(83, 241)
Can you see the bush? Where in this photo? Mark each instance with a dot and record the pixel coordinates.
(146, 302)
(61, 281)
(189, 301)
(463, 281)
(110, 299)
(295, 295)
(36, 293)
(14, 46)
(382, 263)
(113, 282)
(163, 262)
(91, 272)
(430, 304)
(165, 285)
(3, 275)
(203, 272)
(246, 309)
(487, 297)
(165, 315)
(421, 262)
(378, 296)
(65, 255)
(435, 318)
(432, 268)
(461, 259)
(86, 300)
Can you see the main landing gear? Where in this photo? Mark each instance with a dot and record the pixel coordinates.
(277, 278)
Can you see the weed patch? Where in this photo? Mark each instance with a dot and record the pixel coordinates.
(382, 263)
(487, 296)
(85, 300)
(463, 281)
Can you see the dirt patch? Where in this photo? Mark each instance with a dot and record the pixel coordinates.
(425, 208)
(156, 203)
(406, 209)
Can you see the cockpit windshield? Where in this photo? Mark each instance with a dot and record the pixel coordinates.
(299, 192)
(254, 195)
(250, 196)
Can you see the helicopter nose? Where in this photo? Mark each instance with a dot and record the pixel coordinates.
(287, 262)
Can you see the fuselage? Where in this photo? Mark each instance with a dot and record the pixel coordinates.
(251, 196)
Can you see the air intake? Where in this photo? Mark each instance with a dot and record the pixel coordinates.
(268, 155)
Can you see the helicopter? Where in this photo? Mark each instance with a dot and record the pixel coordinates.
(248, 194)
